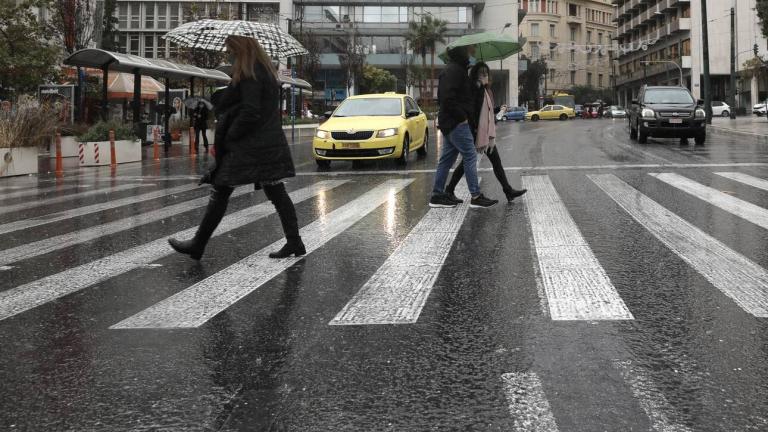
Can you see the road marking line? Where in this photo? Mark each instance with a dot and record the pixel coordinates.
(41, 291)
(575, 283)
(743, 209)
(736, 276)
(202, 301)
(80, 211)
(36, 191)
(746, 179)
(397, 292)
(51, 244)
(528, 404)
(60, 199)
(650, 398)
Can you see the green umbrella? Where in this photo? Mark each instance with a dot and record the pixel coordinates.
(488, 46)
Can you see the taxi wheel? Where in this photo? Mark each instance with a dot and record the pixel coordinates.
(322, 163)
(422, 151)
(403, 159)
(535, 117)
(563, 116)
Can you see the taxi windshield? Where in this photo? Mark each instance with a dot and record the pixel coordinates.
(369, 107)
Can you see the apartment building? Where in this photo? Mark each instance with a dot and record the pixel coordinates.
(575, 39)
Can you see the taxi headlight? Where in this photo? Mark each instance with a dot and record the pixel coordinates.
(648, 113)
(385, 133)
(700, 114)
(322, 134)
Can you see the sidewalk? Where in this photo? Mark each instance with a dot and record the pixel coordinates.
(751, 127)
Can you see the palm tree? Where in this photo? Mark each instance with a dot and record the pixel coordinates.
(417, 37)
(435, 33)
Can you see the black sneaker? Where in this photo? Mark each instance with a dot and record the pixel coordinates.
(454, 198)
(441, 201)
(482, 202)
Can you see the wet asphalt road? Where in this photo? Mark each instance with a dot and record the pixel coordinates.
(608, 299)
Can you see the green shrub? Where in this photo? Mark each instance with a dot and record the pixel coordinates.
(100, 132)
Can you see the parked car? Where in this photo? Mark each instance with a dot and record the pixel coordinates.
(578, 110)
(515, 113)
(666, 112)
(372, 126)
(551, 112)
(720, 108)
(615, 111)
(760, 109)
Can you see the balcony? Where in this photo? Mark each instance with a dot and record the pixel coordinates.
(685, 62)
(574, 20)
(681, 24)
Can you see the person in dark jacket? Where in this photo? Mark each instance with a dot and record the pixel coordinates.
(454, 95)
(200, 123)
(480, 75)
(250, 147)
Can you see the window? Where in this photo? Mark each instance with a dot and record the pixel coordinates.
(390, 14)
(372, 14)
(552, 31)
(162, 15)
(573, 56)
(552, 6)
(552, 53)
(573, 34)
(573, 77)
(534, 5)
(174, 21)
(535, 29)
(149, 46)
(122, 43)
(551, 75)
(600, 38)
(600, 80)
(535, 52)
(589, 37)
(135, 16)
(149, 15)
(589, 78)
(573, 10)
(133, 45)
(122, 14)
(686, 47)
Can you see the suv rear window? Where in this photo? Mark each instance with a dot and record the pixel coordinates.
(667, 96)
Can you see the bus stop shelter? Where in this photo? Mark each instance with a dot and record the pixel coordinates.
(139, 66)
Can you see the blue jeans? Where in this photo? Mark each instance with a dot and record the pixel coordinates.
(460, 140)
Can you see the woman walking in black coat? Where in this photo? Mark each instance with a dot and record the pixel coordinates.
(250, 147)
(483, 113)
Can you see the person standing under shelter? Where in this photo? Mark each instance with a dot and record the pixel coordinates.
(455, 99)
(200, 123)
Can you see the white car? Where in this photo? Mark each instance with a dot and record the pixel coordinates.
(759, 109)
(721, 109)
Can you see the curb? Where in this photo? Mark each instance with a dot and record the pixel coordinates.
(758, 138)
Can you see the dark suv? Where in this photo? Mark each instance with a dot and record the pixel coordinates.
(666, 112)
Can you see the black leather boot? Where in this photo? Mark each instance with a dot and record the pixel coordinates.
(284, 206)
(217, 206)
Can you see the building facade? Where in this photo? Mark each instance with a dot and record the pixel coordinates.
(574, 37)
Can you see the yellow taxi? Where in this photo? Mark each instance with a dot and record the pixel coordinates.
(372, 126)
(551, 112)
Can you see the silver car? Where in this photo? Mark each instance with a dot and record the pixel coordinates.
(615, 111)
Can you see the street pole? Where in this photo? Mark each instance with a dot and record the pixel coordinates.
(733, 66)
(705, 52)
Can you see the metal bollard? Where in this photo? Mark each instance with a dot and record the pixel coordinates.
(155, 137)
(192, 142)
(112, 154)
(59, 163)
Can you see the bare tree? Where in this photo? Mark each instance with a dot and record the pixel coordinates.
(352, 58)
(74, 22)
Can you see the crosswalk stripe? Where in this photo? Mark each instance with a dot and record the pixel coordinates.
(746, 179)
(60, 199)
(396, 293)
(51, 244)
(527, 402)
(574, 282)
(41, 291)
(35, 191)
(659, 411)
(80, 211)
(202, 301)
(736, 276)
(743, 209)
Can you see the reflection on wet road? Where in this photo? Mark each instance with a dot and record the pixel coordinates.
(626, 291)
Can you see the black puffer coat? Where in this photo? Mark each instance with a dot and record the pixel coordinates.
(250, 144)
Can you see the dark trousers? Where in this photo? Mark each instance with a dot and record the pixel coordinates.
(219, 199)
(197, 136)
(498, 171)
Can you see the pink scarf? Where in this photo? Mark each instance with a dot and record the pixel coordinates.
(486, 128)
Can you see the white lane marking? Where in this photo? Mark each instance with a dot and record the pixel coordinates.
(576, 285)
(397, 292)
(80, 211)
(35, 191)
(202, 301)
(659, 411)
(746, 179)
(528, 405)
(60, 199)
(743, 209)
(544, 168)
(41, 291)
(736, 276)
(51, 244)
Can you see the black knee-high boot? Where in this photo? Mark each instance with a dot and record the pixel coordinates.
(217, 206)
(284, 206)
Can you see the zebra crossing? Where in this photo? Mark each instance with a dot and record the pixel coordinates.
(574, 285)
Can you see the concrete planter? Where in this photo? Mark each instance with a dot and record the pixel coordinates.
(18, 161)
(69, 147)
(98, 153)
